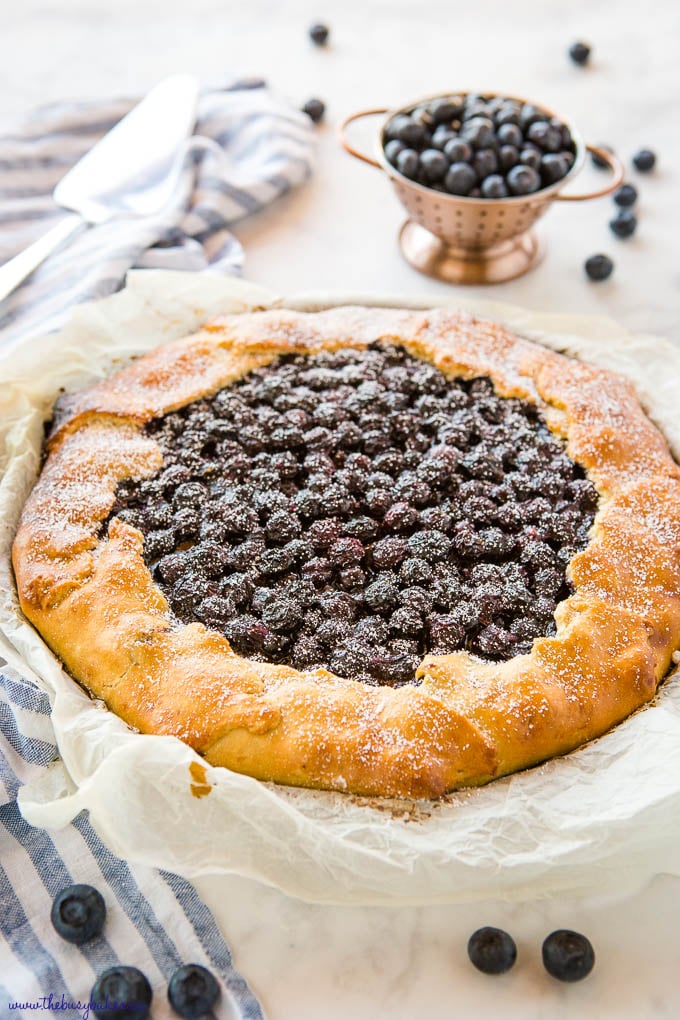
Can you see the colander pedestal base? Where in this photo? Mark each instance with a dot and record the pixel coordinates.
(499, 262)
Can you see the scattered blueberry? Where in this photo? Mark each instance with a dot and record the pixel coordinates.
(624, 223)
(319, 34)
(568, 956)
(492, 950)
(78, 913)
(579, 53)
(626, 195)
(644, 160)
(121, 992)
(315, 109)
(599, 267)
(192, 991)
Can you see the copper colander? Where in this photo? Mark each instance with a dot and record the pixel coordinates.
(474, 240)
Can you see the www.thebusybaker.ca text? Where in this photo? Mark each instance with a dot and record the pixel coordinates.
(62, 1004)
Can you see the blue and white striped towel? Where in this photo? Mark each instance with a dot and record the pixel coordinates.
(248, 148)
(155, 920)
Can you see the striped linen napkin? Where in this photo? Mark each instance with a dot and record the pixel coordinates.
(248, 148)
(155, 920)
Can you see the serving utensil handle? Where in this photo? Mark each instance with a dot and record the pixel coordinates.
(347, 146)
(614, 164)
(15, 271)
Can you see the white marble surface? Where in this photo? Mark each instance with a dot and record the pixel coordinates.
(339, 233)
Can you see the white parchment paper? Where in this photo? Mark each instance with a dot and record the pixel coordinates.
(602, 819)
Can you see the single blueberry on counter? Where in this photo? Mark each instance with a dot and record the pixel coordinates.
(319, 34)
(127, 991)
(644, 160)
(579, 53)
(626, 195)
(567, 955)
(315, 109)
(624, 224)
(599, 267)
(78, 913)
(492, 950)
(192, 991)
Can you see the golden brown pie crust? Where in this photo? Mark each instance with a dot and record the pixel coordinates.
(466, 721)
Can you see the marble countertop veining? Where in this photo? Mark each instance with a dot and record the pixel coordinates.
(339, 232)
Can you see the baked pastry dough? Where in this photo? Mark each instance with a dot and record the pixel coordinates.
(464, 720)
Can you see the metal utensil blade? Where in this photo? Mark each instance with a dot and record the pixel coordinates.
(128, 169)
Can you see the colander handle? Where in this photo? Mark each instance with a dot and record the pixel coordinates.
(342, 135)
(614, 164)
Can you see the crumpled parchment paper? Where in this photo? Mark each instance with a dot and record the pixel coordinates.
(602, 819)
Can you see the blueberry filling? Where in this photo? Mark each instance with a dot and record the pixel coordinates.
(356, 509)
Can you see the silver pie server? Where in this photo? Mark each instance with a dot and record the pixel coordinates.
(132, 171)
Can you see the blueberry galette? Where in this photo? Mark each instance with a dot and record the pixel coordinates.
(383, 551)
